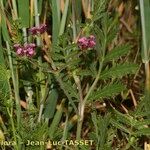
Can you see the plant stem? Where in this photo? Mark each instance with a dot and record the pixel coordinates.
(64, 17)
(42, 89)
(40, 112)
(143, 31)
(81, 107)
(24, 35)
(94, 83)
(146, 52)
(38, 41)
(82, 102)
(74, 21)
(37, 20)
(80, 120)
(147, 72)
(13, 127)
(145, 48)
(15, 9)
(15, 84)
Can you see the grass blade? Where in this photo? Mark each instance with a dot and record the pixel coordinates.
(24, 14)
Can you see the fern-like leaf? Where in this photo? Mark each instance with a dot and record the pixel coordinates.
(120, 126)
(117, 52)
(145, 131)
(119, 71)
(4, 82)
(108, 91)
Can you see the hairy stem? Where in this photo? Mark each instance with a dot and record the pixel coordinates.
(81, 107)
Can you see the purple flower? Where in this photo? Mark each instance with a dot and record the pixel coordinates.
(26, 50)
(29, 49)
(19, 49)
(38, 30)
(33, 30)
(30, 53)
(91, 41)
(87, 42)
(83, 43)
(42, 28)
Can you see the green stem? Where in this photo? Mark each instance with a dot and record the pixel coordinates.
(38, 41)
(64, 17)
(13, 127)
(37, 20)
(82, 103)
(65, 132)
(74, 21)
(42, 89)
(24, 35)
(15, 9)
(15, 84)
(143, 31)
(94, 83)
(147, 72)
(80, 120)
(146, 53)
(81, 107)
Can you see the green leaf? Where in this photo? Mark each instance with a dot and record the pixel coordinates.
(108, 91)
(142, 124)
(85, 72)
(141, 132)
(94, 120)
(40, 5)
(117, 52)
(56, 19)
(56, 48)
(124, 118)
(24, 14)
(64, 18)
(99, 8)
(119, 71)
(71, 55)
(50, 104)
(120, 126)
(2, 61)
(145, 13)
(3, 24)
(70, 47)
(56, 120)
(4, 83)
(101, 128)
(111, 36)
(71, 89)
(57, 56)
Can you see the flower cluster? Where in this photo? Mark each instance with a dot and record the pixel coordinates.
(87, 42)
(38, 30)
(25, 50)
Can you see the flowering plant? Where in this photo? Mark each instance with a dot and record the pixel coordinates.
(65, 73)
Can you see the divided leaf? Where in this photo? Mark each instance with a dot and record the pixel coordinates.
(117, 52)
(119, 71)
(71, 89)
(108, 91)
(120, 126)
(145, 131)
